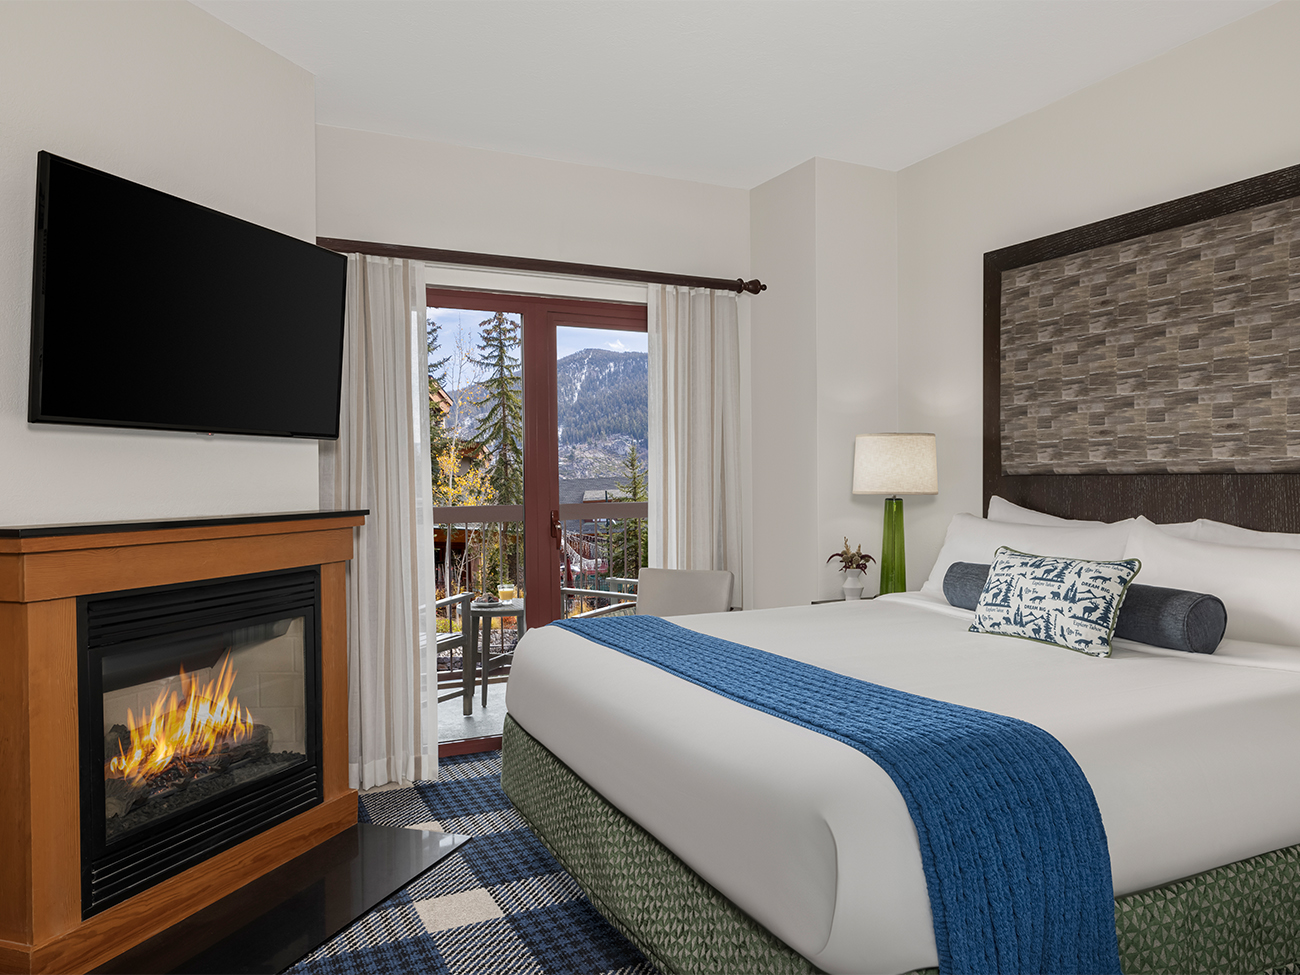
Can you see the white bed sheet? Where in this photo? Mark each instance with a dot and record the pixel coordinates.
(1194, 760)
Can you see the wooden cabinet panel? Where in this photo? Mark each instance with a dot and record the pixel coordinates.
(40, 859)
(334, 677)
(55, 802)
(54, 575)
(15, 777)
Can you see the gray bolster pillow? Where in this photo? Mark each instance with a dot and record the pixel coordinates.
(1160, 617)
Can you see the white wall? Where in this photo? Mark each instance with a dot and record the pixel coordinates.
(1221, 108)
(427, 194)
(824, 366)
(857, 352)
(166, 95)
(396, 190)
(783, 401)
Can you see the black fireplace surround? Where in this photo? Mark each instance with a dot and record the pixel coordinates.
(200, 723)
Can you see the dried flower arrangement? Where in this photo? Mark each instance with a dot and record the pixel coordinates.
(849, 559)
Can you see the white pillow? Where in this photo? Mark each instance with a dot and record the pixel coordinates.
(972, 539)
(1000, 509)
(1180, 529)
(1258, 586)
(1217, 532)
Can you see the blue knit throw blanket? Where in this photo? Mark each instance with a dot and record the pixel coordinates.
(1012, 844)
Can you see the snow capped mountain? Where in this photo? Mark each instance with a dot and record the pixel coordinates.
(600, 393)
(602, 410)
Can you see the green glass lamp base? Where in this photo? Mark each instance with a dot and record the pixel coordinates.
(893, 561)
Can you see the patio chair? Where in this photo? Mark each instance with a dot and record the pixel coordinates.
(683, 592)
(620, 603)
(459, 638)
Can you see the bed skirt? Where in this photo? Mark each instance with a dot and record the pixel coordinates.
(1240, 918)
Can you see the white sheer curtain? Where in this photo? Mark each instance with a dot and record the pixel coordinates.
(381, 462)
(694, 459)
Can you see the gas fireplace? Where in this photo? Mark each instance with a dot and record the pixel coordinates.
(200, 723)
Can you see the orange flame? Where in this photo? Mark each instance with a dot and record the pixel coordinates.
(170, 731)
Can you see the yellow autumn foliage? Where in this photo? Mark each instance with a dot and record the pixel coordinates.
(460, 483)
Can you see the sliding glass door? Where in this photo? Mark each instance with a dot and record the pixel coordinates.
(602, 436)
(538, 432)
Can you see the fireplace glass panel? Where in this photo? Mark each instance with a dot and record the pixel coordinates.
(202, 715)
(200, 718)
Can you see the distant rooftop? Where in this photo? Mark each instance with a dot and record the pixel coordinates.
(601, 495)
(579, 490)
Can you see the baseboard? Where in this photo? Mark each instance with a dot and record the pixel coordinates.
(469, 746)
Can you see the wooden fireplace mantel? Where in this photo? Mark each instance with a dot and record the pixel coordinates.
(43, 569)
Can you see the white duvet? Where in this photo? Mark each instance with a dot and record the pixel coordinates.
(1194, 760)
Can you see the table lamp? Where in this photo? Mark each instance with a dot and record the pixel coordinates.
(894, 464)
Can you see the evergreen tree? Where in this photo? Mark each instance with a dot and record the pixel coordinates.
(437, 367)
(630, 548)
(439, 438)
(634, 477)
(501, 430)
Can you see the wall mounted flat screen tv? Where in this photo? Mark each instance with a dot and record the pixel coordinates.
(150, 311)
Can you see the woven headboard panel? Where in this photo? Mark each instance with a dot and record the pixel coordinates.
(1145, 364)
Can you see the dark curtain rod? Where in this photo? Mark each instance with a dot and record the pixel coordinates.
(471, 259)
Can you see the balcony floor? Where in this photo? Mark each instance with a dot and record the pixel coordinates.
(453, 725)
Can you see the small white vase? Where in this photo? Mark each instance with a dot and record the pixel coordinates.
(852, 584)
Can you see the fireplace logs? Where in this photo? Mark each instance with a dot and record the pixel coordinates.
(131, 803)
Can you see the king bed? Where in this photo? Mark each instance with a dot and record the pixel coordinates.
(808, 843)
(1129, 373)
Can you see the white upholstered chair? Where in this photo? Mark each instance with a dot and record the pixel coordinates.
(682, 592)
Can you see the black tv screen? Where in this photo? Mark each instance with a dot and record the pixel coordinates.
(151, 311)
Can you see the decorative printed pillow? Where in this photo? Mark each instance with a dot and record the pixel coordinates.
(1071, 603)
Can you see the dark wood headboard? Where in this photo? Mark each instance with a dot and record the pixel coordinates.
(1264, 501)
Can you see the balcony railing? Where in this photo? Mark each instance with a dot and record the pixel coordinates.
(601, 555)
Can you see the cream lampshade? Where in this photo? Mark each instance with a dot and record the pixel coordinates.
(894, 464)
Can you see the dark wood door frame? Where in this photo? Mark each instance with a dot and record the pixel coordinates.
(540, 317)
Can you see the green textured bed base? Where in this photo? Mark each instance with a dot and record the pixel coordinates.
(1238, 919)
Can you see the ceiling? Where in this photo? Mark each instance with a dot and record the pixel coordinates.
(731, 92)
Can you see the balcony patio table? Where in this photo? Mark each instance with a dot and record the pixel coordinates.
(472, 658)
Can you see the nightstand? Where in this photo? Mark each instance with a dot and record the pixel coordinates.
(839, 599)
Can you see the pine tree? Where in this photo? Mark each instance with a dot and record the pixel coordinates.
(634, 480)
(630, 545)
(501, 430)
(439, 439)
(437, 367)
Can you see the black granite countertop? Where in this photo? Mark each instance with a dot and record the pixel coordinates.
(156, 524)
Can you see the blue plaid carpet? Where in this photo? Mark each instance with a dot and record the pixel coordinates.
(500, 904)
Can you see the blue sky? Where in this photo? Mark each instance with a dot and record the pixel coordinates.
(460, 332)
